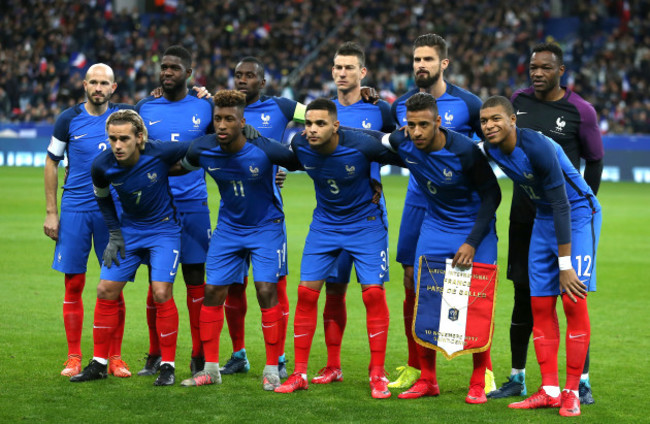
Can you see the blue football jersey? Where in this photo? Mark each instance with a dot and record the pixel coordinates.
(538, 164)
(81, 137)
(342, 178)
(183, 120)
(143, 189)
(245, 179)
(270, 115)
(460, 112)
(451, 178)
(366, 115)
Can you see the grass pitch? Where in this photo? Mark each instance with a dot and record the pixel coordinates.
(33, 348)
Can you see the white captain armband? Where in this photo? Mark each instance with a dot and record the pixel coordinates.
(56, 147)
(385, 140)
(565, 263)
(101, 191)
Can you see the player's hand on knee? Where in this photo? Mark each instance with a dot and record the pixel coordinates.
(114, 247)
(571, 285)
(464, 257)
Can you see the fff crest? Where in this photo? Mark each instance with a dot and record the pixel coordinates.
(453, 314)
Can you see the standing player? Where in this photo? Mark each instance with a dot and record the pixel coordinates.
(80, 133)
(562, 256)
(251, 224)
(339, 163)
(459, 110)
(462, 196)
(177, 116)
(347, 72)
(270, 116)
(148, 230)
(565, 117)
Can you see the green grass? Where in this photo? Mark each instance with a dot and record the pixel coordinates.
(33, 348)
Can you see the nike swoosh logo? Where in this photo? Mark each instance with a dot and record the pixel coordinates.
(95, 326)
(65, 302)
(77, 137)
(310, 167)
(168, 334)
(213, 169)
(295, 336)
(200, 299)
(268, 326)
(171, 274)
(375, 334)
(521, 113)
(411, 162)
(538, 337)
(571, 336)
(154, 122)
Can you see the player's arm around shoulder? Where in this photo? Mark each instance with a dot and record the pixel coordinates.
(278, 154)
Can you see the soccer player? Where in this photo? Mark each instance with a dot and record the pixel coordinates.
(345, 219)
(80, 133)
(270, 116)
(178, 116)
(565, 117)
(251, 224)
(148, 230)
(348, 71)
(459, 111)
(562, 255)
(462, 197)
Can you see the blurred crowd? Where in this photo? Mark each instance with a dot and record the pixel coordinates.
(46, 45)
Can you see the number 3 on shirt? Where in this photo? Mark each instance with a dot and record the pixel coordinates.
(333, 187)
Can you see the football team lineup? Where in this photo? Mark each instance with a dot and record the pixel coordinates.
(162, 220)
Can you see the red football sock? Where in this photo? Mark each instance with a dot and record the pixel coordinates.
(377, 319)
(283, 299)
(304, 326)
(115, 348)
(235, 309)
(73, 311)
(195, 296)
(211, 324)
(272, 321)
(167, 325)
(578, 334)
(480, 361)
(427, 363)
(106, 320)
(154, 344)
(335, 318)
(408, 310)
(546, 337)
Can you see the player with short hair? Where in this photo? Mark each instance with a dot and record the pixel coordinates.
(339, 163)
(179, 116)
(148, 229)
(459, 110)
(270, 115)
(569, 120)
(462, 197)
(80, 133)
(562, 256)
(348, 71)
(251, 224)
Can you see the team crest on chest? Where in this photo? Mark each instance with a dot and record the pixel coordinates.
(255, 171)
(153, 177)
(560, 124)
(266, 119)
(448, 174)
(351, 169)
(196, 121)
(367, 125)
(449, 117)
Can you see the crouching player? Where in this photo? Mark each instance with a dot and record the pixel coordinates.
(149, 228)
(562, 257)
(251, 222)
(462, 196)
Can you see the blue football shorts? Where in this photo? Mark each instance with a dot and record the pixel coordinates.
(409, 233)
(195, 236)
(231, 247)
(342, 269)
(77, 232)
(442, 244)
(543, 269)
(160, 246)
(367, 245)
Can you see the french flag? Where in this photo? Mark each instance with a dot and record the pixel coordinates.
(78, 60)
(454, 307)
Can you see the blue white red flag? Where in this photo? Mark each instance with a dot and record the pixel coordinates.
(454, 309)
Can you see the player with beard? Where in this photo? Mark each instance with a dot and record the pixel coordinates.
(564, 116)
(459, 110)
(178, 116)
(80, 134)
